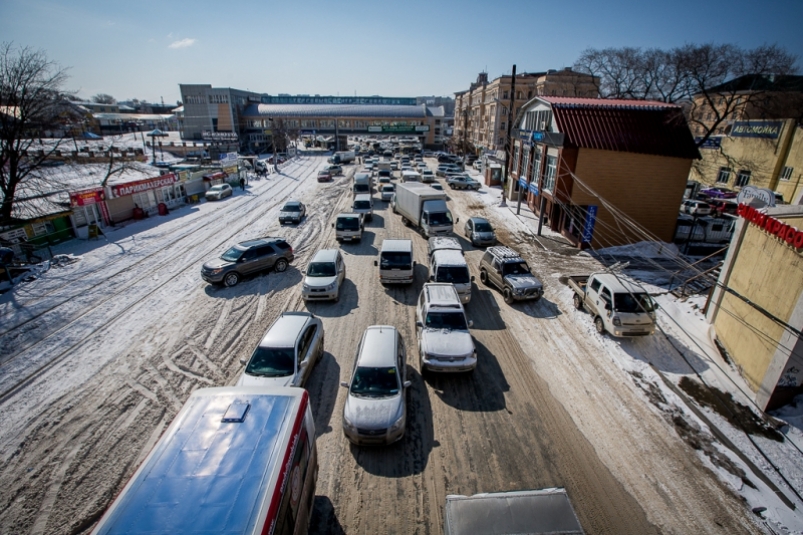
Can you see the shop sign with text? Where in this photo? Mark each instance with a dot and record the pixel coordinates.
(129, 188)
(785, 232)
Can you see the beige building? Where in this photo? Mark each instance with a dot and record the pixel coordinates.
(762, 153)
(757, 305)
(601, 171)
(481, 112)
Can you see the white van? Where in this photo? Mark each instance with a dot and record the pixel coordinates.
(363, 204)
(450, 266)
(396, 264)
(348, 227)
(235, 459)
(410, 176)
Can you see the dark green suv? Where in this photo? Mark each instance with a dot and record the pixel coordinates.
(248, 257)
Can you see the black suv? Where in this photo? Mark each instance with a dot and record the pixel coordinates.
(506, 269)
(248, 257)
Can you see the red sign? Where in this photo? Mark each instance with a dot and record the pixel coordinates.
(121, 190)
(787, 233)
(87, 196)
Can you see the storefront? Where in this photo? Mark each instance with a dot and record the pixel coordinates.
(88, 208)
(147, 194)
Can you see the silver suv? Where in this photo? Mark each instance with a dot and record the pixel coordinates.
(444, 342)
(248, 257)
(506, 269)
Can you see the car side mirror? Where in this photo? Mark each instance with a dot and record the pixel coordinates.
(419, 324)
(408, 384)
(242, 361)
(303, 271)
(472, 278)
(303, 365)
(414, 263)
(471, 323)
(344, 384)
(607, 306)
(376, 263)
(432, 277)
(457, 220)
(333, 225)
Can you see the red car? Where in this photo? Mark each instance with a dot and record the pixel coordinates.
(324, 176)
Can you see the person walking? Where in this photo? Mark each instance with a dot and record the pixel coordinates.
(242, 183)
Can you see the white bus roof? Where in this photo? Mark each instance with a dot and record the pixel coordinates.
(217, 467)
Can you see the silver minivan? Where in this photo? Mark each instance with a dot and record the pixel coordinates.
(348, 227)
(363, 204)
(376, 410)
(396, 264)
(324, 276)
(450, 266)
(286, 354)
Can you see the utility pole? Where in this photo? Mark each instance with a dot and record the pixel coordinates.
(508, 146)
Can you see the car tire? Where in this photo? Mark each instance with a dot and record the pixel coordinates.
(599, 324)
(578, 303)
(484, 277)
(508, 295)
(280, 265)
(231, 279)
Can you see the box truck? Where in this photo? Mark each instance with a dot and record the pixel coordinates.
(424, 207)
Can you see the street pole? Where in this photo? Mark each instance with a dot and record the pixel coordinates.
(508, 147)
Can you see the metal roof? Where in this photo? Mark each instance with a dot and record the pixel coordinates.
(379, 346)
(638, 126)
(335, 110)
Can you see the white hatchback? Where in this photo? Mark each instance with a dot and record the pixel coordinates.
(324, 276)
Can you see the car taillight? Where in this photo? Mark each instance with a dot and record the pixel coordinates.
(291, 249)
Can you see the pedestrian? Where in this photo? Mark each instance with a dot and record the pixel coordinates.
(242, 183)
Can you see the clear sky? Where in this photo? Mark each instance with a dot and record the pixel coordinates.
(143, 49)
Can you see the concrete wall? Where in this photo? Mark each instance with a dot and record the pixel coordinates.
(647, 188)
(768, 272)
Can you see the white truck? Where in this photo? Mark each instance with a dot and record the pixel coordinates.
(424, 207)
(619, 306)
(343, 157)
(362, 184)
(544, 511)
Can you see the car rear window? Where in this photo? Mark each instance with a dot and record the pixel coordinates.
(282, 245)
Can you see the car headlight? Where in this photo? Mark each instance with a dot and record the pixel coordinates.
(518, 291)
(398, 424)
(216, 271)
(305, 287)
(616, 321)
(348, 423)
(331, 286)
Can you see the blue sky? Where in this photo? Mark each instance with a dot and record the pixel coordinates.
(143, 49)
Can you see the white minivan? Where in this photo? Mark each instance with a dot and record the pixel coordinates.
(363, 204)
(450, 266)
(396, 264)
(348, 227)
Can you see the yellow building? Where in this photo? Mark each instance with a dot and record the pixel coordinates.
(757, 305)
(762, 153)
(481, 112)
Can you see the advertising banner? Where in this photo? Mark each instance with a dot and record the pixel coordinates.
(121, 190)
(762, 129)
(588, 228)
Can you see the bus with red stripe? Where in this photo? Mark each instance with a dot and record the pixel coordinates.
(234, 461)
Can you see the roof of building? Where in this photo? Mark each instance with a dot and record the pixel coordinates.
(761, 82)
(638, 126)
(336, 110)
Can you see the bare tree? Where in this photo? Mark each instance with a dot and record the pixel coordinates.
(30, 94)
(103, 98)
(714, 83)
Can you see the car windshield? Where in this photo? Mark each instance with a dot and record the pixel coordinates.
(638, 302)
(515, 268)
(446, 320)
(291, 208)
(396, 260)
(375, 382)
(217, 188)
(362, 205)
(388, 188)
(348, 223)
(271, 362)
(361, 188)
(453, 274)
(321, 269)
(482, 226)
(440, 218)
(232, 255)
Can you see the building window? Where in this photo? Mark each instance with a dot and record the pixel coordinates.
(535, 170)
(503, 127)
(505, 95)
(516, 159)
(743, 178)
(551, 173)
(786, 173)
(526, 163)
(724, 175)
(518, 95)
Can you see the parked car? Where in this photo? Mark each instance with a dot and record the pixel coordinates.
(427, 176)
(437, 186)
(462, 181)
(375, 411)
(722, 207)
(324, 276)
(248, 257)
(287, 353)
(292, 212)
(335, 169)
(387, 192)
(477, 165)
(694, 207)
(504, 268)
(479, 231)
(220, 191)
(324, 176)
